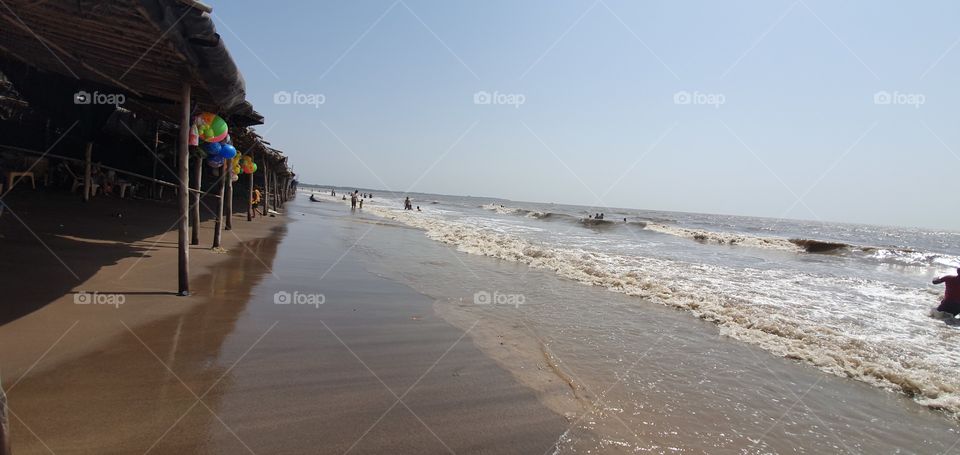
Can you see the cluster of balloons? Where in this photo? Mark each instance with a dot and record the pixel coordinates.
(213, 131)
(218, 152)
(210, 127)
(245, 164)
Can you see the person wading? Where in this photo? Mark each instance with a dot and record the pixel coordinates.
(951, 296)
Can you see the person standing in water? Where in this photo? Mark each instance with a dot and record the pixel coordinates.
(353, 199)
(407, 205)
(951, 296)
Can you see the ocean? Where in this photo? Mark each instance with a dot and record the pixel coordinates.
(853, 301)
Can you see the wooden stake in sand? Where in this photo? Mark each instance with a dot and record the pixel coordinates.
(195, 210)
(250, 200)
(217, 229)
(87, 170)
(266, 185)
(4, 424)
(183, 194)
(228, 224)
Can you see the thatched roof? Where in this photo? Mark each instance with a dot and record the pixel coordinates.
(144, 48)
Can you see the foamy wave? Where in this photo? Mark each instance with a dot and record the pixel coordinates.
(910, 257)
(726, 238)
(856, 339)
(499, 209)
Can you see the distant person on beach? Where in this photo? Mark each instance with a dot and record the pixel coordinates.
(407, 205)
(418, 208)
(951, 296)
(255, 201)
(353, 199)
(361, 203)
(333, 192)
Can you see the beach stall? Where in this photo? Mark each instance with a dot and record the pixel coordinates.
(78, 63)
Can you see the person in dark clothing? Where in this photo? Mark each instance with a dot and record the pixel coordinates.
(951, 296)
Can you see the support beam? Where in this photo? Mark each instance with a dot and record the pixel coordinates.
(250, 200)
(228, 223)
(154, 191)
(266, 185)
(276, 194)
(218, 225)
(4, 425)
(195, 209)
(183, 194)
(87, 170)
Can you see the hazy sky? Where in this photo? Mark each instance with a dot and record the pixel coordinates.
(841, 111)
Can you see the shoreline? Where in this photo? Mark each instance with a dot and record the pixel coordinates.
(555, 307)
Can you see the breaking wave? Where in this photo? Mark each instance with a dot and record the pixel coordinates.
(726, 238)
(886, 255)
(840, 325)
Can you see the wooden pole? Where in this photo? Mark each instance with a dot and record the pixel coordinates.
(156, 159)
(276, 194)
(87, 170)
(228, 223)
(195, 210)
(183, 194)
(4, 424)
(218, 225)
(250, 200)
(266, 186)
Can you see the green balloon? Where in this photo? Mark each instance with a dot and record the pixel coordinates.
(254, 167)
(218, 126)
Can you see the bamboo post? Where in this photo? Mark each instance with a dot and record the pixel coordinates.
(156, 158)
(228, 223)
(266, 186)
(183, 194)
(273, 192)
(276, 194)
(195, 210)
(87, 170)
(250, 200)
(4, 424)
(218, 225)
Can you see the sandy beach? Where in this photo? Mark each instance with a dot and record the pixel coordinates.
(227, 370)
(632, 375)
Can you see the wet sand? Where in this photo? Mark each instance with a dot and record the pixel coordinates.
(640, 377)
(227, 370)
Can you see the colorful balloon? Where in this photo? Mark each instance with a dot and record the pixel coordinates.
(213, 148)
(211, 127)
(227, 151)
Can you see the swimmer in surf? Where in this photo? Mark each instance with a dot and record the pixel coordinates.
(951, 296)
